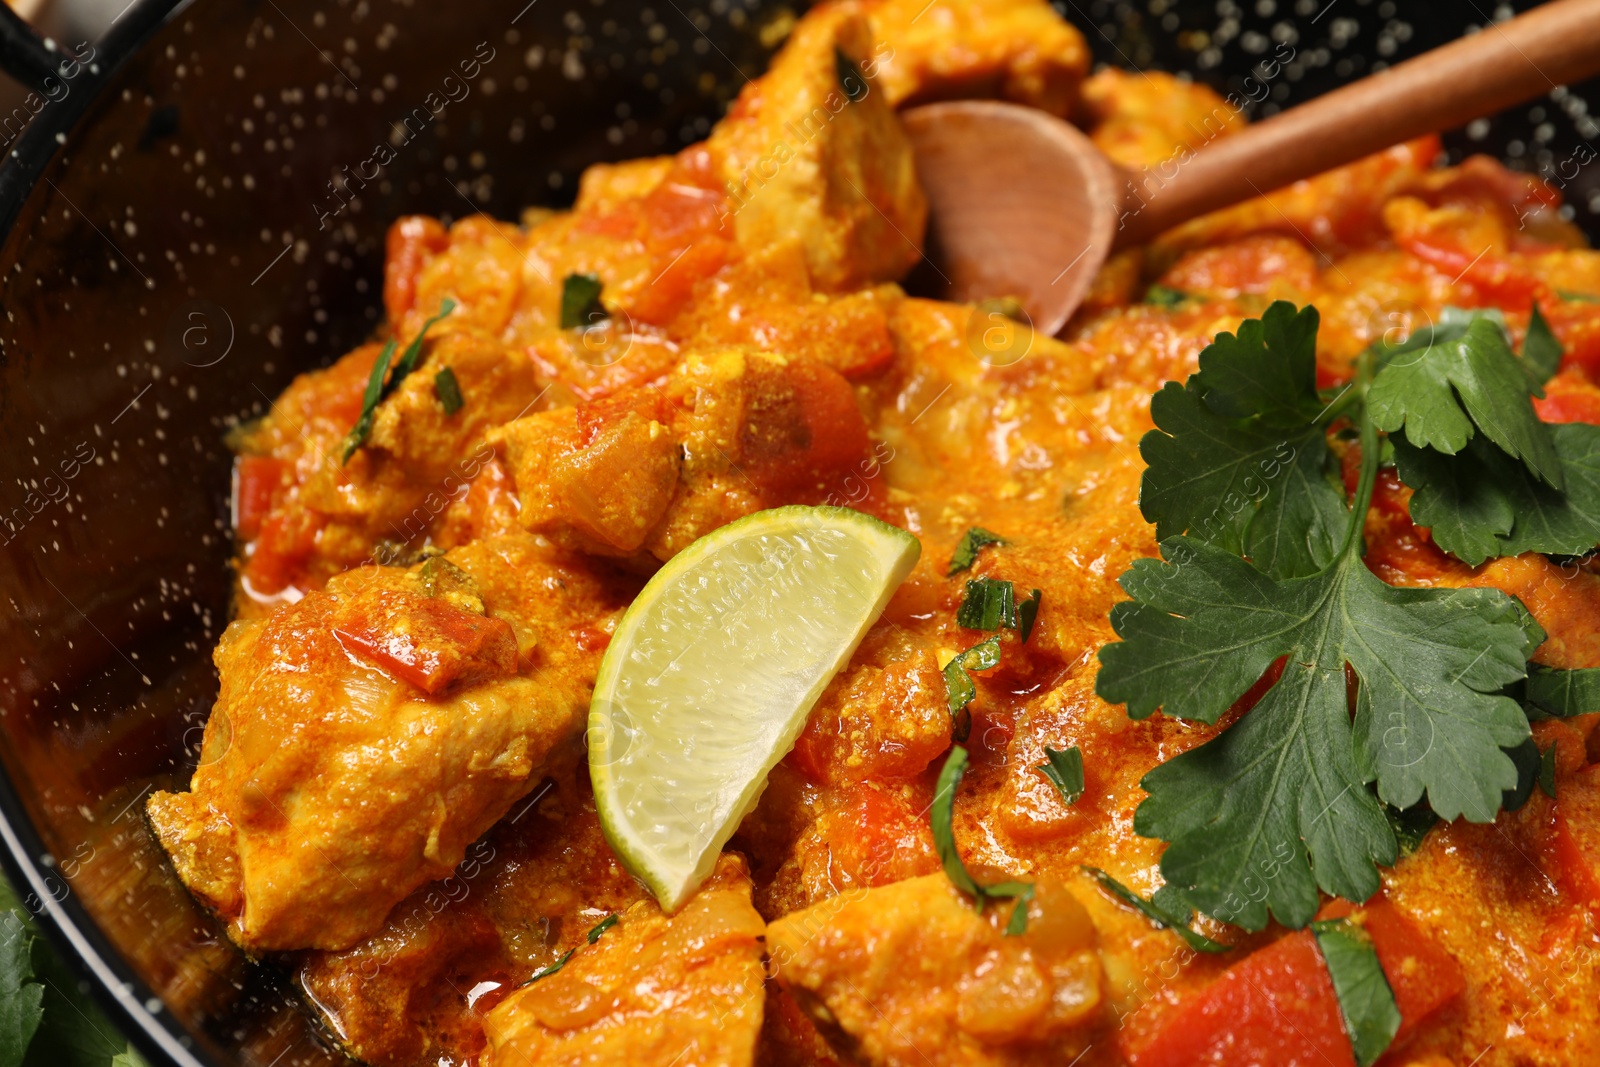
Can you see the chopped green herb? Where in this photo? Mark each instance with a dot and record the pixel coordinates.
(369, 402)
(1576, 297)
(851, 81)
(1547, 772)
(988, 605)
(1027, 614)
(448, 390)
(958, 685)
(602, 926)
(1410, 825)
(1159, 911)
(1065, 771)
(1526, 757)
(1541, 352)
(1366, 1002)
(1162, 296)
(966, 553)
(378, 390)
(941, 817)
(580, 301)
(1281, 798)
(561, 961)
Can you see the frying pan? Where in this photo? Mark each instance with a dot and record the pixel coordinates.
(196, 213)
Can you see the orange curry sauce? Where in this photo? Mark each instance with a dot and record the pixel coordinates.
(414, 725)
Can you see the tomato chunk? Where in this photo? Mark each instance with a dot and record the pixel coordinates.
(426, 641)
(256, 481)
(1276, 1006)
(1576, 845)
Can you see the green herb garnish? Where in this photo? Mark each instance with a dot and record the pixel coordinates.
(966, 552)
(959, 688)
(1562, 694)
(1291, 796)
(1027, 614)
(21, 993)
(602, 926)
(1541, 352)
(941, 817)
(1166, 910)
(852, 82)
(988, 605)
(369, 403)
(1547, 772)
(378, 390)
(580, 301)
(1411, 825)
(1164, 297)
(448, 390)
(1065, 770)
(561, 961)
(1577, 298)
(1366, 1002)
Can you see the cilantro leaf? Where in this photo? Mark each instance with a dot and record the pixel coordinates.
(1547, 772)
(1457, 384)
(1165, 297)
(369, 403)
(1238, 458)
(1411, 825)
(941, 816)
(602, 926)
(966, 551)
(1290, 777)
(1366, 1001)
(1563, 693)
(378, 390)
(1481, 503)
(21, 995)
(1163, 917)
(580, 301)
(958, 685)
(448, 390)
(988, 605)
(1541, 352)
(1526, 757)
(1065, 771)
(1028, 613)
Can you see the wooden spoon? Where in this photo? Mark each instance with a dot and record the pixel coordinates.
(1023, 205)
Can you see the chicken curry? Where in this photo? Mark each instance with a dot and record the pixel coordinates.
(440, 531)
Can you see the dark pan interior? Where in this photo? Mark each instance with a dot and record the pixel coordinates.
(182, 243)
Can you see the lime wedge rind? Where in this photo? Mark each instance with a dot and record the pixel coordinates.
(711, 673)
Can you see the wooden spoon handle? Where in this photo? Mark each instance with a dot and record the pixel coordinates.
(1504, 64)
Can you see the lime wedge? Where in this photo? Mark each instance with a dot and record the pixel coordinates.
(712, 671)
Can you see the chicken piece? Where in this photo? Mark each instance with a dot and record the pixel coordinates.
(366, 735)
(911, 974)
(418, 990)
(331, 513)
(808, 159)
(766, 301)
(651, 991)
(732, 432)
(1020, 50)
(1151, 119)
